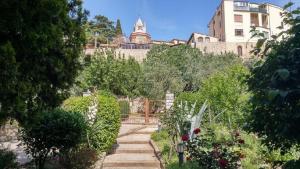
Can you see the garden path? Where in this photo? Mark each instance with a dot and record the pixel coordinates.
(133, 149)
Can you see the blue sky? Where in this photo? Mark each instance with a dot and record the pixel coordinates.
(165, 19)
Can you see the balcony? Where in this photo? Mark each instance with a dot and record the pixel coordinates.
(250, 9)
(260, 10)
(241, 8)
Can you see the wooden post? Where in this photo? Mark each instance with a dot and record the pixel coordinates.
(146, 107)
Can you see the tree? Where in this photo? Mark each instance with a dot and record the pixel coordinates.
(119, 31)
(103, 29)
(109, 71)
(275, 83)
(179, 68)
(39, 48)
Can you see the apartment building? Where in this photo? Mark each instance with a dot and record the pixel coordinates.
(234, 19)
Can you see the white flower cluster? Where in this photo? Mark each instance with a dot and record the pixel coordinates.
(91, 114)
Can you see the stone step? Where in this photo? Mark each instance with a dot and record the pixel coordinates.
(147, 130)
(131, 168)
(126, 128)
(131, 160)
(133, 148)
(134, 139)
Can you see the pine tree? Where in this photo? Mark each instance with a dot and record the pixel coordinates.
(119, 28)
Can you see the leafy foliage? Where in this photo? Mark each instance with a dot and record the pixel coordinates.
(100, 28)
(109, 72)
(79, 158)
(8, 159)
(54, 130)
(275, 83)
(226, 93)
(170, 159)
(107, 125)
(38, 57)
(211, 154)
(77, 104)
(179, 68)
(102, 133)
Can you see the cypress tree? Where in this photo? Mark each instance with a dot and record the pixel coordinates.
(119, 28)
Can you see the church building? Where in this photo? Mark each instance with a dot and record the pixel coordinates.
(139, 34)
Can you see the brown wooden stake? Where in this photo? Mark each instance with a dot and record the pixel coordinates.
(146, 106)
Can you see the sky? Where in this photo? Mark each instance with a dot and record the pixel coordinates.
(165, 19)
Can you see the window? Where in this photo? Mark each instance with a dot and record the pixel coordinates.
(254, 19)
(240, 50)
(240, 4)
(239, 32)
(238, 18)
(200, 39)
(207, 39)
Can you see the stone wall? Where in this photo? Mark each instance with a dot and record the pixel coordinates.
(138, 54)
(206, 47)
(8, 132)
(226, 47)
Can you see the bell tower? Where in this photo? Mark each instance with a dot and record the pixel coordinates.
(139, 34)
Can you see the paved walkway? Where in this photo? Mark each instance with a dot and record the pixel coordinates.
(133, 150)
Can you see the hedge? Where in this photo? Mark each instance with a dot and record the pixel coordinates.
(103, 132)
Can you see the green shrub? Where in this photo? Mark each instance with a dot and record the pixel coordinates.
(190, 98)
(227, 95)
(77, 104)
(102, 133)
(56, 129)
(80, 158)
(7, 159)
(107, 124)
(124, 108)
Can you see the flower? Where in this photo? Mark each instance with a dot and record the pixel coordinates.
(197, 130)
(241, 141)
(223, 163)
(185, 137)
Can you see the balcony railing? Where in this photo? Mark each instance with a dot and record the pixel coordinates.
(241, 8)
(261, 10)
(247, 8)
